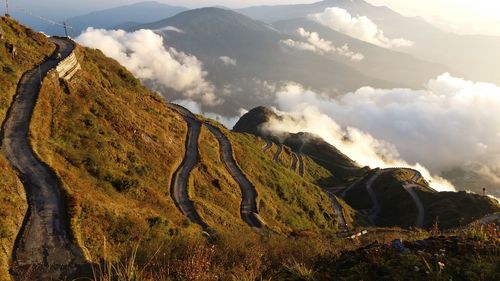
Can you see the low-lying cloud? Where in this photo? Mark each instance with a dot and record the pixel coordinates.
(451, 123)
(360, 27)
(143, 53)
(228, 61)
(321, 46)
(194, 107)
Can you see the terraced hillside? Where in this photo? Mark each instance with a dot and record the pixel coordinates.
(116, 175)
(114, 147)
(384, 197)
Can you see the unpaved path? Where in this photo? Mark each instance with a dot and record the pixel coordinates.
(179, 187)
(45, 248)
(248, 208)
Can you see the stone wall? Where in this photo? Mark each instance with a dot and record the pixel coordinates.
(68, 67)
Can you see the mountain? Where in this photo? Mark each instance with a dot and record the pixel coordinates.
(469, 55)
(138, 13)
(114, 150)
(100, 172)
(381, 195)
(261, 59)
(378, 62)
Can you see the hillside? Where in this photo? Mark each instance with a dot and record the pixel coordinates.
(211, 33)
(114, 146)
(118, 179)
(381, 195)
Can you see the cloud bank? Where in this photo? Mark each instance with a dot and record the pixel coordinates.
(320, 46)
(451, 123)
(143, 53)
(360, 27)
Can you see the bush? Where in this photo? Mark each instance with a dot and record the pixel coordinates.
(8, 69)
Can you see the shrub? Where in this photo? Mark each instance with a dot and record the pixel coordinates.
(8, 69)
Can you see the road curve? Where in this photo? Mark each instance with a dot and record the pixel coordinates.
(179, 187)
(344, 228)
(268, 145)
(248, 208)
(420, 207)
(45, 248)
(278, 153)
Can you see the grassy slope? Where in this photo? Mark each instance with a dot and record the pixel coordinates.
(286, 201)
(115, 145)
(31, 48)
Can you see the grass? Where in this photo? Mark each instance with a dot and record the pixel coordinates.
(115, 145)
(32, 48)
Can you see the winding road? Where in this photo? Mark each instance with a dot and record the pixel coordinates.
(301, 166)
(420, 207)
(45, 248)
(295, 159)
(344, 228)
(248, 208)
(179, 187)
(278, 153)
(268, 145)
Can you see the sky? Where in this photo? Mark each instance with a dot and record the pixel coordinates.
(462, 16)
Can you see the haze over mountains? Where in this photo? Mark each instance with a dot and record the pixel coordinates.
(233, 61)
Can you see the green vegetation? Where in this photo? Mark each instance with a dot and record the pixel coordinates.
(31, 48)
(115, 145)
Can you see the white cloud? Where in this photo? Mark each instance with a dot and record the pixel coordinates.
(169, 28)
(320, 46)
(360, 27)
(228, 61)
(143, 53)
(451, 123)
(194, 107)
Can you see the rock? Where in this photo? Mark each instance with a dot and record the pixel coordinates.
(398, 245)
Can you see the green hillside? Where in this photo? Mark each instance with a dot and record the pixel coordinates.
(115, 147)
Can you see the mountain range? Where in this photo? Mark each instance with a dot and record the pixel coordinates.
(105, 176)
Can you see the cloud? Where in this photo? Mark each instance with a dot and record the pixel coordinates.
(194, 107)
(170, 28)
(228, 61)
(360, 27)
(451, 123)
(320, 46)
(143, 53)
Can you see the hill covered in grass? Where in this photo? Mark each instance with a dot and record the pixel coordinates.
(115, 146)
(389, 197)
